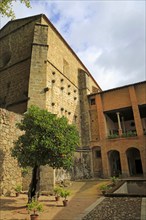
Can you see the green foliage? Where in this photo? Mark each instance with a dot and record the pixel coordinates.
(46, 139)
(114, 179)
(24, 171)
(112, 136)
(126, 134)
(57, 190)
(6, 7)
(64, 193)
(18, 188)
(104, 187)
(35, 206)
(129, 134)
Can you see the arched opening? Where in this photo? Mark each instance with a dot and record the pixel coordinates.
(114, 163)
(134, 161)
(97, 162)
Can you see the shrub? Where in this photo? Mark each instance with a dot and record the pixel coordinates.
(35, 206)
(111, 136)
(114, 180)
(64, 193)
(104, 187)
(129, 134)
(57, 190)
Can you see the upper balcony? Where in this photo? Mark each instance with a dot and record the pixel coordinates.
(120, 123)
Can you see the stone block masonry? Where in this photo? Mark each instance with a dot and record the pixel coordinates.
(10, 173)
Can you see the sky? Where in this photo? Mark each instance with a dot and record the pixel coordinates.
(108, 36)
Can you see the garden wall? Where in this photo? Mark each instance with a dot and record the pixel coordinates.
(10, 173)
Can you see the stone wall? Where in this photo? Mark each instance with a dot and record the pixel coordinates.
(10, 173)
(82, 165)
(16, 45)
(40, 68)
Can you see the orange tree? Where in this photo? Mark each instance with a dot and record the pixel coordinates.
(6, 7)
(47, 139)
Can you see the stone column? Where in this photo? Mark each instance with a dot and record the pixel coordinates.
(119, 123)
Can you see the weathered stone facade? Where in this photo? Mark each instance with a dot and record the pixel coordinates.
(39, 68)
(43, 70)
(10, 173)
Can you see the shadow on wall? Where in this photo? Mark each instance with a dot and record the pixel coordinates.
(2, 155)
(81, 168)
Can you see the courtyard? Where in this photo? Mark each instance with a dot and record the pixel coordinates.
(85, 202)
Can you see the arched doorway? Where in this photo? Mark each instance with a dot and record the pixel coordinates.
(134, 161)
(114, 163)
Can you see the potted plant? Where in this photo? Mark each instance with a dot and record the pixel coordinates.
(18, 190)
(103, 188)
(57, 191)
(64, 194)
(35, 207)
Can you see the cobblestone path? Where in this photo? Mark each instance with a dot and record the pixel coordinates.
(120, 208)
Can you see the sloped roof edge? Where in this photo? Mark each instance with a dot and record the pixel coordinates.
(120, 87)
(21, 19)
(45, 17)
(60, 36)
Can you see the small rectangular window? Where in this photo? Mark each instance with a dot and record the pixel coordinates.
(92, 101)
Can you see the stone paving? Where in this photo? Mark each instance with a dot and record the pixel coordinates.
(120, 208)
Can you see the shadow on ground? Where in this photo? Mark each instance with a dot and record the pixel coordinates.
(83, 194)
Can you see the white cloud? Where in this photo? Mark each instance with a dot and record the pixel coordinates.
(108, 36)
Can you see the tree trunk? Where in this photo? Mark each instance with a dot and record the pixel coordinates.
(34, 186)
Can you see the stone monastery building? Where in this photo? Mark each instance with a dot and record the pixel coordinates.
(38, 67)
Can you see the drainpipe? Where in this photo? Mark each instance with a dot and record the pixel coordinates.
(119, 123)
